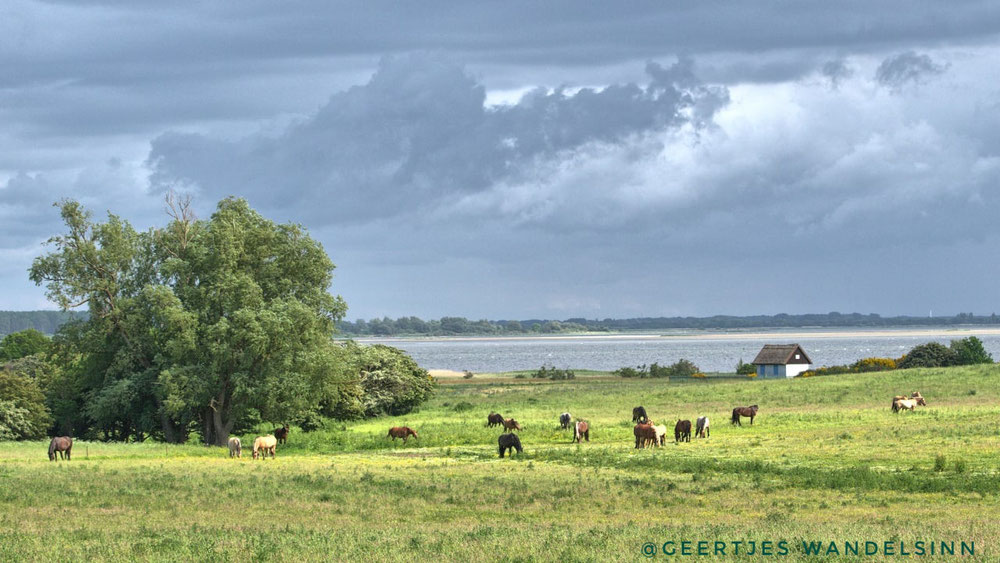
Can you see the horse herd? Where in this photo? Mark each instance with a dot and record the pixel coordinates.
(647, 433)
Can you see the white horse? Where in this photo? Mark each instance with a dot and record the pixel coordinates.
(701, 427)
(235, 447)
(661, 431)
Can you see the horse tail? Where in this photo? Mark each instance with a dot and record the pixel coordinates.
(736, 415)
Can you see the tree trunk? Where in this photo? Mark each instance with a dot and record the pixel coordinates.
(222, 421)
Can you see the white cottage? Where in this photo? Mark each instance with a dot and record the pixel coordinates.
(781, 360)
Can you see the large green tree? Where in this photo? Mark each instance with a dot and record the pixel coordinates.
(22, 343)
(214, 322)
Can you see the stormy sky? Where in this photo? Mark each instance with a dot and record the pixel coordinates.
(533, 159)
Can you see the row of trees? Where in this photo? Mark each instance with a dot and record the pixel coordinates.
(680, 368)
(206, 326)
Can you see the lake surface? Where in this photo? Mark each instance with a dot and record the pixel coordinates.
(711, 353)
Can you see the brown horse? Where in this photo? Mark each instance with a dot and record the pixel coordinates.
(644, 433)
(682, 431)
(750, 411)
(61, 445)
(511, 424)
(494, 419)
(582, 430)
(403, 432)
(262, 445)
(639, 415)
(281, 434)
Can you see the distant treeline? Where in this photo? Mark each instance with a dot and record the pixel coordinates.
(43, 321)
(457, 326)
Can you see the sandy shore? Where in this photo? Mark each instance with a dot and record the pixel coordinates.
(789, 335)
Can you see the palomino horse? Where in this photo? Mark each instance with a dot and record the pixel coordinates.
(682, 431)
(264, 444)
(511, 424)
(582, 430)
(644, 433)
(916, 397)
(750, 411)
(639, 415)
(235, 447)
(509, 442)
(661, 432)
(494, 419)
(61, 445)
(403, 432)
(281, 434)
(701, 427)
(564, 419)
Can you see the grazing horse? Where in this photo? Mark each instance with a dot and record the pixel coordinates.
(582, 430)
(235, 447)
(264, 444)
(61, 445)
(511, 424)
(701, 427)
(644, 433)
(915, 396)
(900, 404)
(564, 419)
(682, 431)
(494, 419)
(403, 432)
(509, 442)
(639, 415)
(750, 411)
(661, 432)
(281, 434)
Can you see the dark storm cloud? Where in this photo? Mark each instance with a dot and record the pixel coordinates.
(418, 132)
(907, 68)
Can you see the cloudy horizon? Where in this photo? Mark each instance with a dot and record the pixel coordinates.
(556, 160)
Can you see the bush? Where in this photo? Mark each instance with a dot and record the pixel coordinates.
(745, 369)
(873, 364)
(930, 355)
(684, 368)
(468, 375)
(630, 372)
(551, 372)
(970, 351)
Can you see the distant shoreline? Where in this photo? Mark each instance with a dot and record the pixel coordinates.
(957, 332)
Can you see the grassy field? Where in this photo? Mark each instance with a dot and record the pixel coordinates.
(825, 460)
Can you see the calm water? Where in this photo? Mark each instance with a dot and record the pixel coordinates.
(710, 354)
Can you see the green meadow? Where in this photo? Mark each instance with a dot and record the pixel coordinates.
(825, 460)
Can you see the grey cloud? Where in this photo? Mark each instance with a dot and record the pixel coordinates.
(837, 71)
(907, 68)
(418, 133)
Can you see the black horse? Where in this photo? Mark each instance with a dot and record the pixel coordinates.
(639, 415)
(509, 442)
(281, 434)
(564, 419)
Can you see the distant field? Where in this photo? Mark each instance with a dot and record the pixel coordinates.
(825, 460)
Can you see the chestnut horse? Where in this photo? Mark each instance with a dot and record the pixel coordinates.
(582, 430)
(639, 415)
(61, 445)
(403, 432)
(750, 411)
(264, 444)
(644, 433)
(494, 419)
(235, 447)
(281, 434)
(682, 431)
(511, 424)
(509, 442)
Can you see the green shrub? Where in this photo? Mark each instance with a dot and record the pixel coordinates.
(930, 355)
(745, 369)
(969, 351)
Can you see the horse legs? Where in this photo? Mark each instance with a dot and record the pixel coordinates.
(751, 420)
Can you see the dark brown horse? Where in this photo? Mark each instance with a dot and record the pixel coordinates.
(281, 434)
(61, 445)
(403, 432)
(494, 419)
(511, 424)
(682, 431)
(582, 430)
(509, 442)
(750, 411)
(644, 434)
(639, 415)
(564, 420)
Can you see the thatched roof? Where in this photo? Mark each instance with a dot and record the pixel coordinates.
(780, 354)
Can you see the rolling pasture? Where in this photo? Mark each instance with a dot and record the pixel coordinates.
(826, 459)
